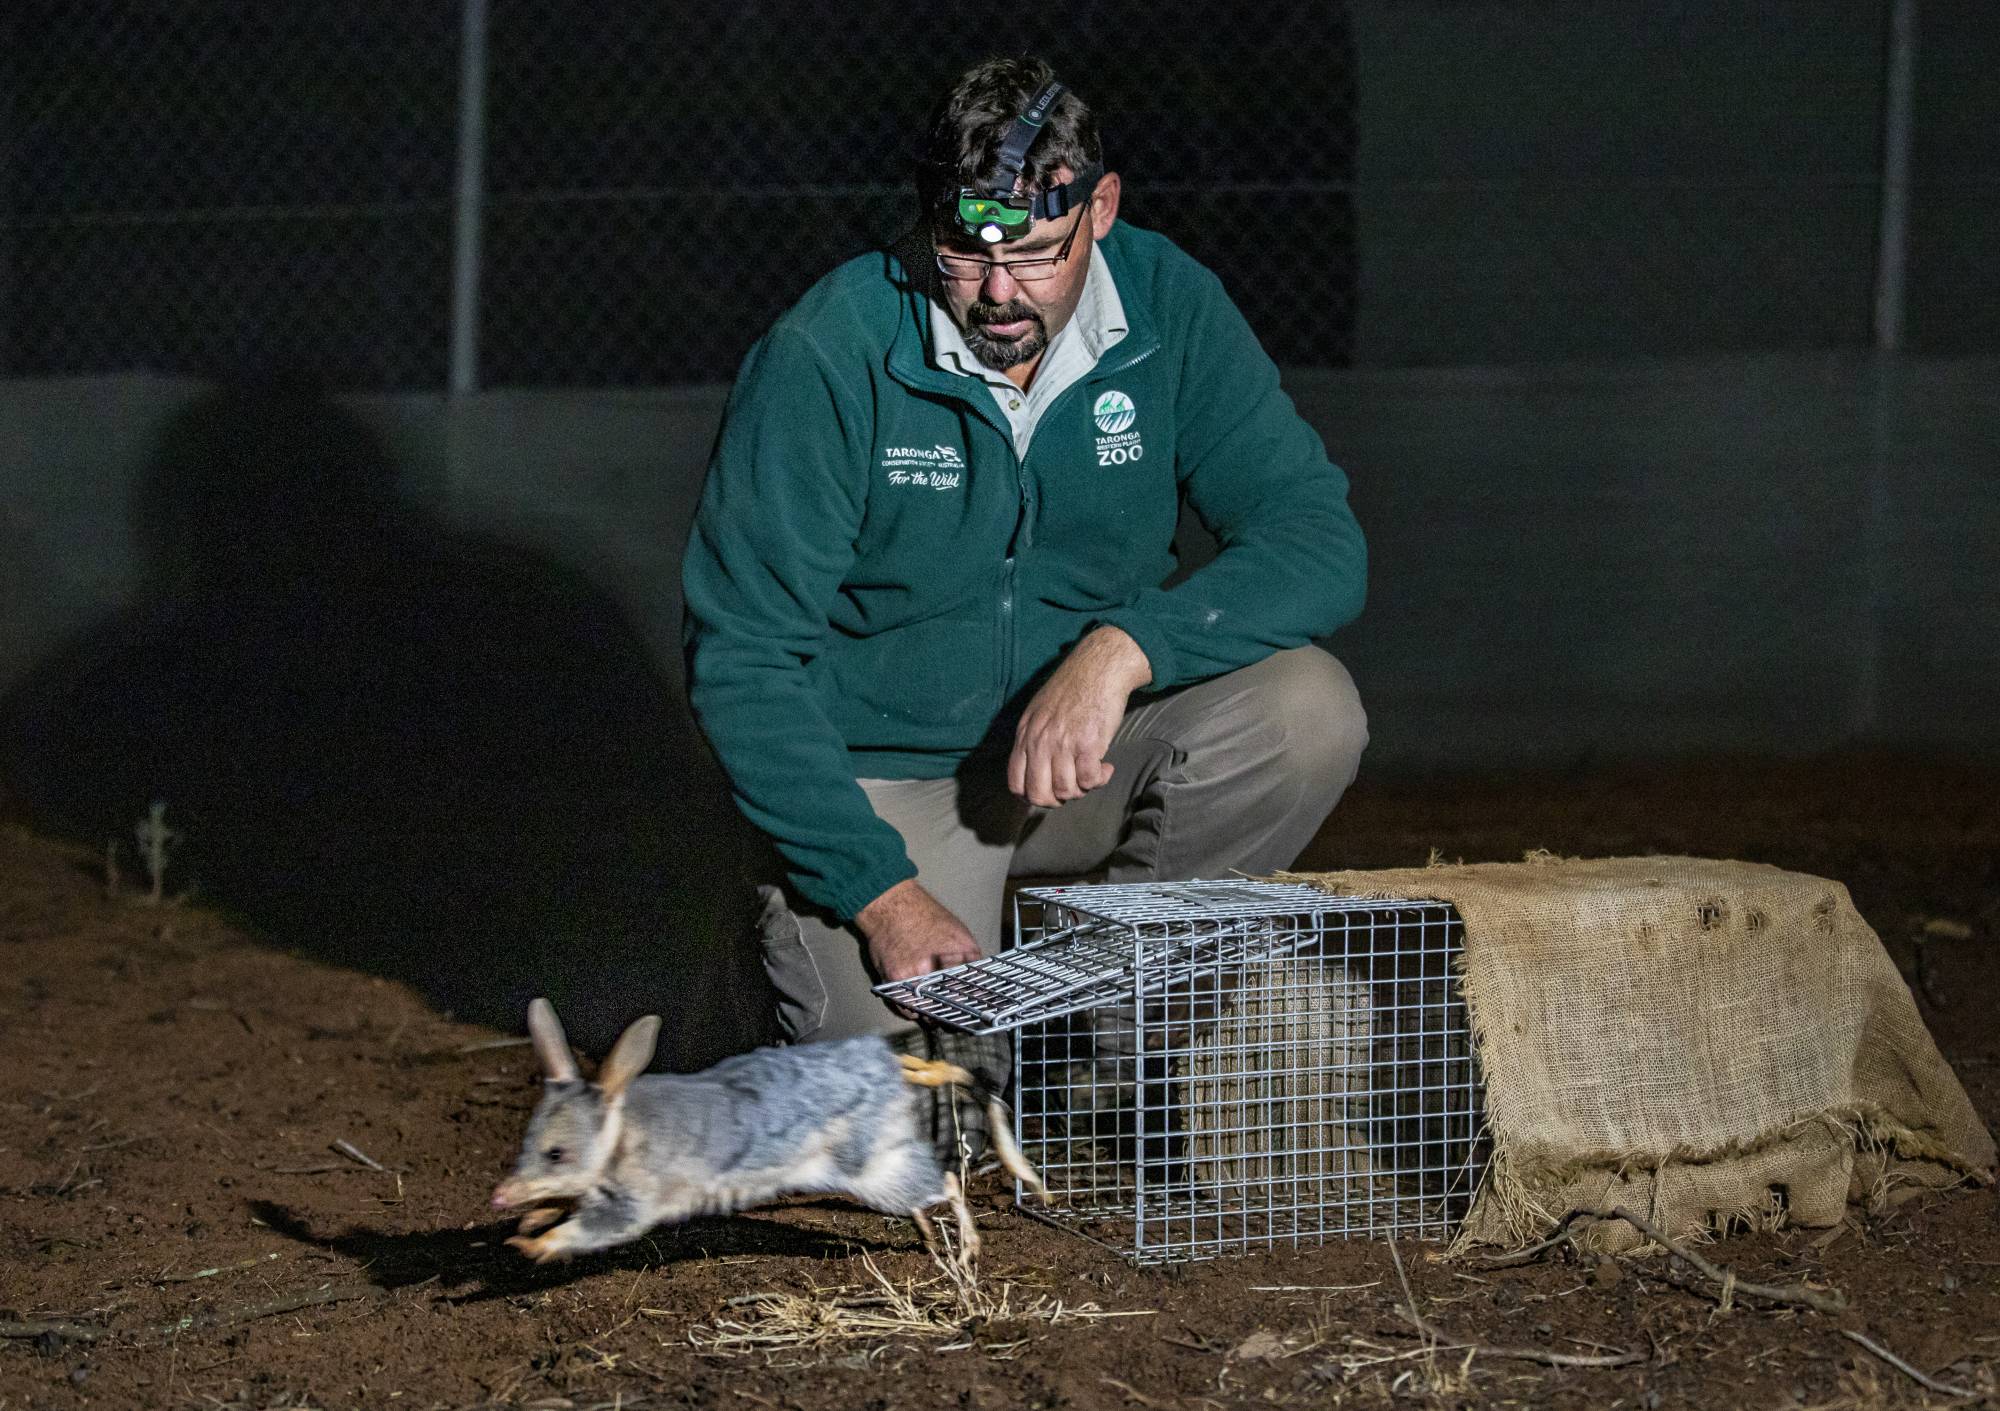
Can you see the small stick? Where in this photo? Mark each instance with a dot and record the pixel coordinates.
(1409, 1294)
(1130, 1391)
(219, 1269)
(1557, 1359)
(1905, 1368)
(1517, 1354)
(155, 837)
(347, 1148)
(113, 1146)
(1831, 1301)
(1533, 1252)
(486, 1044)
(74, 1332)
(333, 1293)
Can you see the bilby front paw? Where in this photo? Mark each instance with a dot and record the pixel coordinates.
(542, 1248)
(540, 1218)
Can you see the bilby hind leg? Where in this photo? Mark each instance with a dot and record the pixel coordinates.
(968, 1233)
(928, 1229)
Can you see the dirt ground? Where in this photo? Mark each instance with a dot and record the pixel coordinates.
(181, 1226)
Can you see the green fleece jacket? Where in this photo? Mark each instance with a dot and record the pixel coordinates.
(876, 583)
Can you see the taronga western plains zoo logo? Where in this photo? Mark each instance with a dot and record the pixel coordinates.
(1114, 415)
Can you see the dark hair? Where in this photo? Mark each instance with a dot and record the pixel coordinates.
(975, 115)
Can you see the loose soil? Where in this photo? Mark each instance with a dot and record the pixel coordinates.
(231, 1175)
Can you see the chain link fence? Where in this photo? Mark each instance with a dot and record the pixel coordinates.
(228, 187)
(220, 187)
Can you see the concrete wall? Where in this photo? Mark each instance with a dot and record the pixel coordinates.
(1771, 553)
(1776, 552)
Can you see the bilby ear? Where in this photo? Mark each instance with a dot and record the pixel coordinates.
(629, 1056)
(558, 1063)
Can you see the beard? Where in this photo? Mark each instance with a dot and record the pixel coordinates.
(1003, 353)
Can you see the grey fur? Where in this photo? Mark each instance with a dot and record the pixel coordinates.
(834, 1118)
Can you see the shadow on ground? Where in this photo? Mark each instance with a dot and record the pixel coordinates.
(392, 746)
(475, 1265)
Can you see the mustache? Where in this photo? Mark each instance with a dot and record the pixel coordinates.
(1011, 312)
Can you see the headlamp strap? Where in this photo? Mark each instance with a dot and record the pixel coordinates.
(991, 210)
(1027, 127)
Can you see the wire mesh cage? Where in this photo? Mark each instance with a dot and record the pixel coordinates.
(1212, 1068)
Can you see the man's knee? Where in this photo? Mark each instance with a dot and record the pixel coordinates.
(1315, 716)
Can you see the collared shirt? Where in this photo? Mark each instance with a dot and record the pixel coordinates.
(1096, 326)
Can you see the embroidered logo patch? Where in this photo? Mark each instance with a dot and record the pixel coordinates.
(939, 467)
(1114, 415)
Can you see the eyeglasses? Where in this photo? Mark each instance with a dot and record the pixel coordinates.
(971, 267)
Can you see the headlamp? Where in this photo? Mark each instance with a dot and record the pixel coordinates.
(994, 213)
(993, 218)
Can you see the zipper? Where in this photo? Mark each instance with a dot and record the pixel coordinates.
(1024, 535)
(1007, 645)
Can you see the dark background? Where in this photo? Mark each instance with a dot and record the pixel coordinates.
(1583, 298)
(663, 180)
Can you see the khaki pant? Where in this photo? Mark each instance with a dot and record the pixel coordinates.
(1232, 775)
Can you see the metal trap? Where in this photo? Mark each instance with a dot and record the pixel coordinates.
(1208, 1068)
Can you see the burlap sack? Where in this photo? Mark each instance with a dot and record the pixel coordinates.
(1698, 1040)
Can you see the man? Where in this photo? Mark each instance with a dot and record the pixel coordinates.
(926, 630)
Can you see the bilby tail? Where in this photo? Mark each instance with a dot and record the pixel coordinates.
(1002, 1121)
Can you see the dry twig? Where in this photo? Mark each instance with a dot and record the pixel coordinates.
(1562, 1236)
(219, 1269)
(155, 840)
(1946, 1388)
(354, 1153)
(290, 1303)
(1827, 1301)
(72, 1332)
(194, 1322)
(1131, 1392)
(1444, 1341)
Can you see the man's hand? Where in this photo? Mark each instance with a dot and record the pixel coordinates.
(1060, 743)
(910, 932)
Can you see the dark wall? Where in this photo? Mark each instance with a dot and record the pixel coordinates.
(1545, 180)
(1955, 197)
